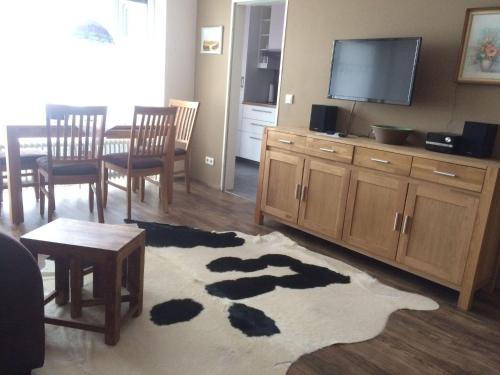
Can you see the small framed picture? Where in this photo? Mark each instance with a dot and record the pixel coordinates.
(211, 40)
(480, 52)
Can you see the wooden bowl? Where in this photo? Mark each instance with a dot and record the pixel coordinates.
(393, 135)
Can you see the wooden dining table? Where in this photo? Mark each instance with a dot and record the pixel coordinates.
(16, 132)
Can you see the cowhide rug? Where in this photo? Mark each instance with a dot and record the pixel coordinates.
(228, 303)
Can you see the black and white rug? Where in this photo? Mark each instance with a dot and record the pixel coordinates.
(230, 303)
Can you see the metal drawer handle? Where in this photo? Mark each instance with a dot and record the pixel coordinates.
(380, 161)
(332, 150)
(397, 220)
(285, 141)
(254, 124)
(445, 174)
(405, 224)
(257, 139)
(303, 195)
(261, 111)
(297, 191)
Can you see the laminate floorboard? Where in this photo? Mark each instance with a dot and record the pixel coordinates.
(446, 341)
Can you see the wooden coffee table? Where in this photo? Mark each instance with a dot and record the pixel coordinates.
(112, 249)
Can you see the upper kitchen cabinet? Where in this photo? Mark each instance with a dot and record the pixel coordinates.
(276, 27)
(271, 21)
(261, 52)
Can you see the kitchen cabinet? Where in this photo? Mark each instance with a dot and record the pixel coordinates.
(255, 119)
(277, 26)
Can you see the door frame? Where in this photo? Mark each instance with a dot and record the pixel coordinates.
(226, 134)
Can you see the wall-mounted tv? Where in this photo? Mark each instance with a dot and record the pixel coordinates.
(374, 70)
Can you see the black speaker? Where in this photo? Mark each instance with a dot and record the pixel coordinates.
(323, 118)
(478, 139)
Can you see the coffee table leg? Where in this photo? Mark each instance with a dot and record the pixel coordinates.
(125, 273)
(98, 281)
(76, 288)
(112, 296)
(136, 280)
(61, 281)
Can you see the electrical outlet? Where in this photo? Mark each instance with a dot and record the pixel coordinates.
(209, 161)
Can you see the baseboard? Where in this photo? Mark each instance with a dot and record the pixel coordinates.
(247, 161)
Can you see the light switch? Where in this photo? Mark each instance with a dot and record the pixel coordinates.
(289, 98)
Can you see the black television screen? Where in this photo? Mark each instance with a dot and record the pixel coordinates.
(374, 70)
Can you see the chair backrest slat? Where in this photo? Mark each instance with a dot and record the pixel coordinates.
(157, 132)
(151, 128)
(79, 141)
(87, 131)
(65, 138)
(79, 133)
(72, 139)
(58, 139)
(187, 113)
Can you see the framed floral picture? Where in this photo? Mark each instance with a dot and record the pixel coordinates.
(480, 52)
(211, 40)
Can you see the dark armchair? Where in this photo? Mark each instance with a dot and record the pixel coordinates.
(22, 331)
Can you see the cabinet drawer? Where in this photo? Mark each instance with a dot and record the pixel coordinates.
(259, 113)
(286, 141)
(254, 126)
(383, 161)
(249, 146)
(459, 176)
(329, 150)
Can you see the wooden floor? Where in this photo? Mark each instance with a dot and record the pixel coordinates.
(446, 341)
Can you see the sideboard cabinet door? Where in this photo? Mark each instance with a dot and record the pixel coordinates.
(437, 231)
(374, 211)
(323, 197)
(282, 185)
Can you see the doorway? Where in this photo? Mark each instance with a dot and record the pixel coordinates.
(258, 30)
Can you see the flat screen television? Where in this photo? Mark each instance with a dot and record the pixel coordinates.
(374, 70)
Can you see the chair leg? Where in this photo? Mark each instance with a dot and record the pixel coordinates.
(187, 173)
(51, 205)
(51, 202)
(164, 190)
(41, 194)
(129, 197)
(91, 199)
(142, 187)
(104, 186)
(1, 188)
(36, 184)
(135, 184)
(168, 171)
(98, 196)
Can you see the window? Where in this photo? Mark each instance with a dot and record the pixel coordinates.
(78, 52)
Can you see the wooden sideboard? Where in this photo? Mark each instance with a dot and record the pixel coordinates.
(432, 214)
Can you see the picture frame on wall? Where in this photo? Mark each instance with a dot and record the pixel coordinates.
(211, 40)
(480, 50)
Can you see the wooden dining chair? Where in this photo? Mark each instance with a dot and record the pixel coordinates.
(29, 170)
(151, 152)
(75, 137)
(185, 120)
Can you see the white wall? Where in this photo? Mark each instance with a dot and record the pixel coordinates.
(180, 49)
